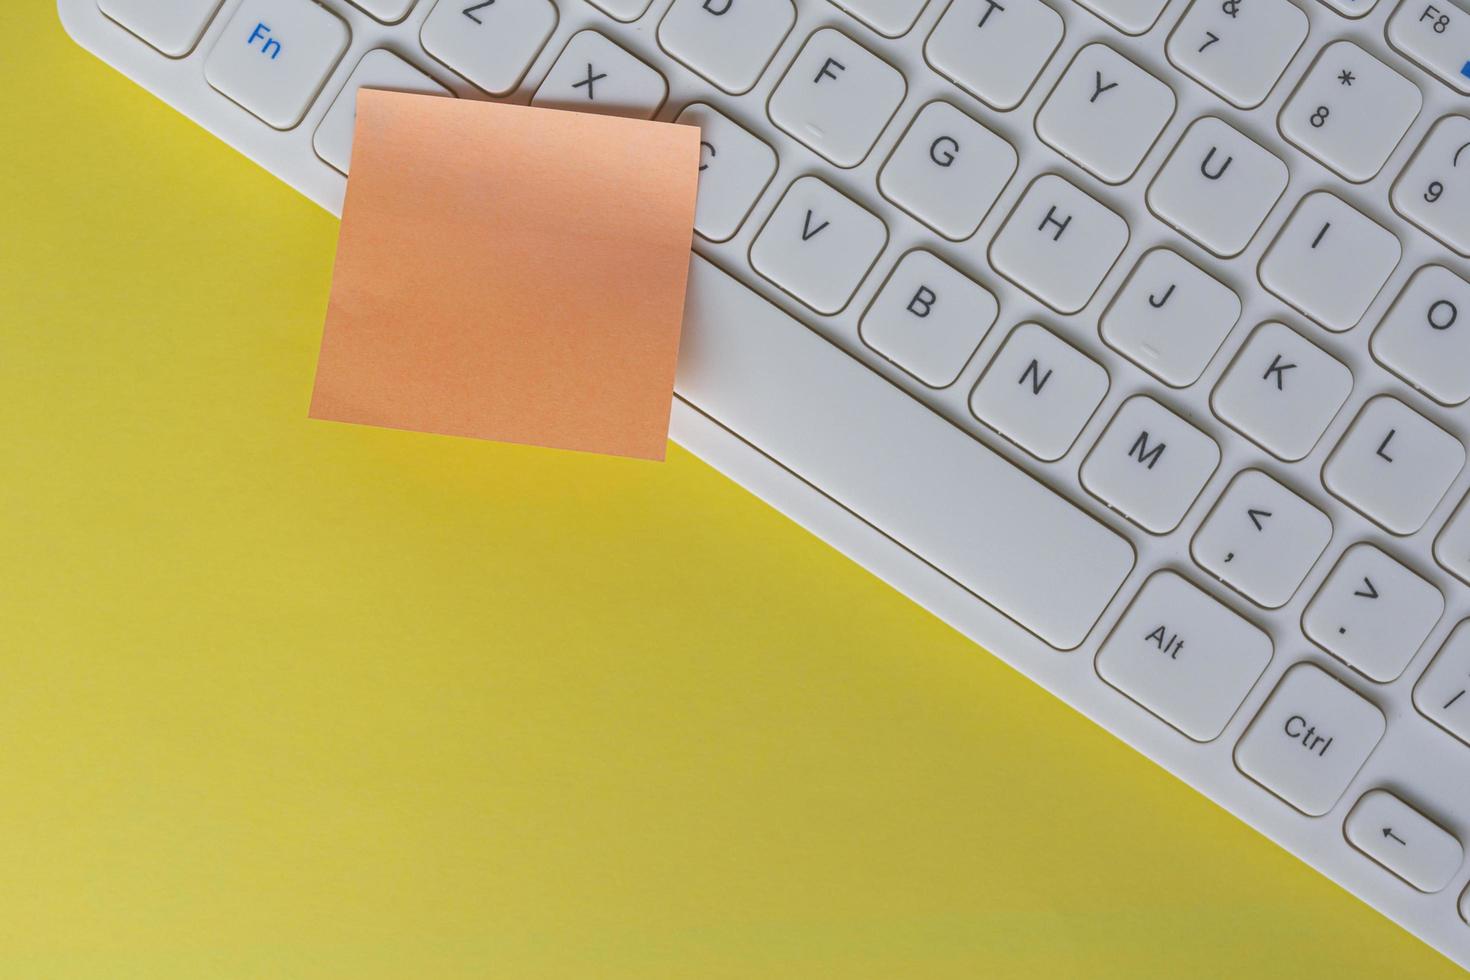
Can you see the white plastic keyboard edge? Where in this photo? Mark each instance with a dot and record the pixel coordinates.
(1209, 768)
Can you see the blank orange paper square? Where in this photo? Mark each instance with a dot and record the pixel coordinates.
(510, 273)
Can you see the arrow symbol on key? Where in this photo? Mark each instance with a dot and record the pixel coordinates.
(1256, 515)
(1388, 832)
(1372, 593)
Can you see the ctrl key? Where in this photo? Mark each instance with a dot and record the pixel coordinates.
(1310, 739)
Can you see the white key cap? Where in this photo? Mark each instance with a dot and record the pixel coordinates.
(735, 166)
(1404, 841)
(1373, 613)
(1217, 186)
(1170, 317)
(1105, 113)
(1443, 693)
(1058, 244)
(891, 18)
(1150, 465)
(928, 318)
(624, 10)
(378, 69)
(1394, 465)
(274, 56)
(1330, 261)
(1436, 34)
(1434, 189)
(1350, 111)
(1236, 49)
(388, 11)
(1310, 739)
(729, 42)
(994, 50)
(1039, 391)
(1184, 656)
(953, 502)
(491, 45)
(1261, 539)
(1351, 8)
(1452, 547)
(818, 245)
(171, 26)
(1129, 16)
(837, 97)
(1425, 339)
(1282, 391)
(592, 74)
(947, 170)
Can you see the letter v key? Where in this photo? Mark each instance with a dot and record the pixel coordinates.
(807, 231)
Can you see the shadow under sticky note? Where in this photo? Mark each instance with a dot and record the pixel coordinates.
(510, 273)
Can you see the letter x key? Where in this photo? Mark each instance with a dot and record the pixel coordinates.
(590, 81)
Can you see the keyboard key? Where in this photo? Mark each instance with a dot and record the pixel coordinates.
(1350, 111)
(1434, 189)
(1372, 613)
(1394, 465)
(728, 42)
(1150, 465)
(818, 245)
(947, 170)
(1351, 8)
(624, 10)
(1330, 261)
(1404, 841)
(1261, 539)
(837, 97)
(491, 45)
(171, 26)
(735, 166)
(1282, 391)
(1452, 547)
(928, 318)
(387, 11)
(378, 69)
(1039, 391)
(273, 57)
(1310, 739)
(1058, 244)
(1217, 186)
(1129, 16)
(993, 50)
(1436, 34)
(1443, 693)
(1170, 317)
(891, 18)
(1105, 113)
(929, 486)
(592, 74)
(1425, 340)
(1238, 50)
(1184, 656)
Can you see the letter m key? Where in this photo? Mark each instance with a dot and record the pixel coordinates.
(1146, 455)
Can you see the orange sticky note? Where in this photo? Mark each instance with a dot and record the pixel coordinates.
(510, 273)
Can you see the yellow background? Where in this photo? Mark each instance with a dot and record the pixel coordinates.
(282, 698)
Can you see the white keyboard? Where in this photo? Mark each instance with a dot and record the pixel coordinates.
(1132, 337)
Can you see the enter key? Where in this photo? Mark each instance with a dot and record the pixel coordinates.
(1404, 840)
